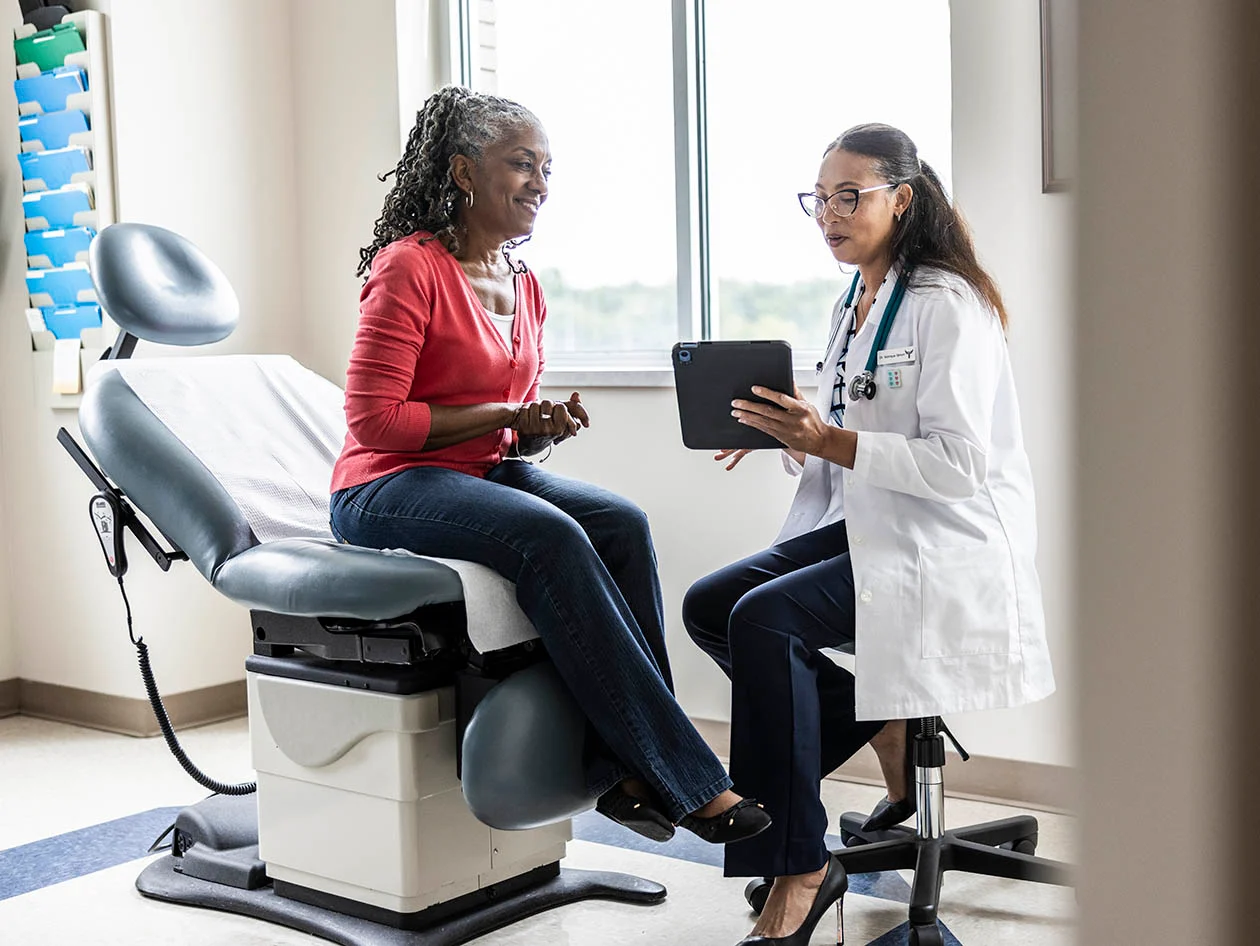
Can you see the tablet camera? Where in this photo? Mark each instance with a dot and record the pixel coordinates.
(684, 356)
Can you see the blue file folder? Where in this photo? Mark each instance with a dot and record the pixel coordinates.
(53, 210)
(67, 285)
(46, 249)
(52, 130)
(68, 321)
(48, 91)
(53, 168)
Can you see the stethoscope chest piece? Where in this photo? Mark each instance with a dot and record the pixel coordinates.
(862, 386)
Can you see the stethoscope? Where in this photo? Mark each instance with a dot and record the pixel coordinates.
(863, 385)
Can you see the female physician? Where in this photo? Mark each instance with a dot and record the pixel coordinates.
(441, 394)
(912, 532)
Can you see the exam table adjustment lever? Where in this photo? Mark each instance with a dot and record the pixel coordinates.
(111, 514)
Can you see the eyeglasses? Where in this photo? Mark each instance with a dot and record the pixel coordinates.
(843, 203)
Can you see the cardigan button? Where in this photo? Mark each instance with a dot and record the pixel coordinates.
(866, 596)
(506, 392)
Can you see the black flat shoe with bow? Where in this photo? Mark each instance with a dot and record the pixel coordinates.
(744, 819)
(834, 886)
(636, 814)
(889, 813)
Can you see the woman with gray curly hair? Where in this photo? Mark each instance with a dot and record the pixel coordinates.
(441, 404)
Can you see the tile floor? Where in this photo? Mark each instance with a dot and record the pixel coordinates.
(56, 779)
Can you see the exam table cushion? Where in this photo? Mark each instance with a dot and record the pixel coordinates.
(231, 456)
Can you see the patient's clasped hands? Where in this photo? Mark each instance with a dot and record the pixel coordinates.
(551, 421)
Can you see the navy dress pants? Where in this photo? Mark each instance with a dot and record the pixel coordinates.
(764, 620)
(585, 573)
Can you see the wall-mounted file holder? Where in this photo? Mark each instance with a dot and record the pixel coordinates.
(69, 321)
(68, 206)
(49, 91)
(52, 129)
(41, 338)
(90, 55)
(67, 168)
(67, 285)
(47, 49)
(46, 249)
(49, 170)
(61, 322)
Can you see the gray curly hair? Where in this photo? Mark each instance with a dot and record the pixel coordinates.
(453, 120)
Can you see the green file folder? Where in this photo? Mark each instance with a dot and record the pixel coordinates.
(48, 48)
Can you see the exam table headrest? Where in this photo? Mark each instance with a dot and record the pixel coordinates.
(159, 287)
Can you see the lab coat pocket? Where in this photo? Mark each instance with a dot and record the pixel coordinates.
(895, 406)
(968, 600)
(899, 380)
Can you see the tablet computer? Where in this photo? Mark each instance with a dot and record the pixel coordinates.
(709, 375)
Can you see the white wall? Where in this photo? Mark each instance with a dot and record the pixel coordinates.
(205, 132)
(1025, 238)
(205, 146)
(13, 342)
(345, 81)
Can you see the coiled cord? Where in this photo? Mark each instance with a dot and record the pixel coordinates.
(164, 722)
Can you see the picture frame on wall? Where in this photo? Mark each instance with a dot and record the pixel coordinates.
(1058, 95)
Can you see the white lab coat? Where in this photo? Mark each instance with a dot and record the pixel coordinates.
(940, 514)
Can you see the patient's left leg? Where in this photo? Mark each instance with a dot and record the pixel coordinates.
(619, 531)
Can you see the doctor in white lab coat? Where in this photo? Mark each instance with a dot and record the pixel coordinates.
(912, 536)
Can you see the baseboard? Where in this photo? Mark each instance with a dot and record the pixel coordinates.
(9, 701)
(128, 715)
(1027, 784)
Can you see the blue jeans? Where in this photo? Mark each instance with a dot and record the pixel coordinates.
(763, 620)
(585, 573)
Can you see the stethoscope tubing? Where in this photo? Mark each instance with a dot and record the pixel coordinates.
(863, 385)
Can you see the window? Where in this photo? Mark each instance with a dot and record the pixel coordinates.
(736, 103)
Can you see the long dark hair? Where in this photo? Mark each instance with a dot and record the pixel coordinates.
(931, 232)
(452, 121)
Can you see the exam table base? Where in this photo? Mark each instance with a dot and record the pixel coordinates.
(161, 881)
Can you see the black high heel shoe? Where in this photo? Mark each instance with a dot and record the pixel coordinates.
(744, 819)
(636, 814)
(834, 886)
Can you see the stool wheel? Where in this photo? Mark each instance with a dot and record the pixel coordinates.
(1026, 845)
(926, 936)
(756, 892)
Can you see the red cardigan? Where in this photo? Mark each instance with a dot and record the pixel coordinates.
(424, 338)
